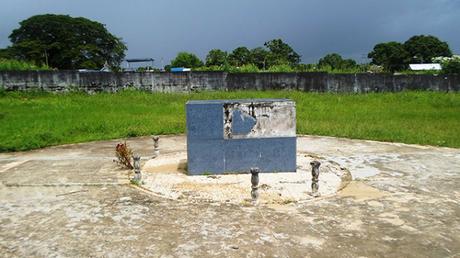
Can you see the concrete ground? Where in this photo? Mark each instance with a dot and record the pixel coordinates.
(73, 201)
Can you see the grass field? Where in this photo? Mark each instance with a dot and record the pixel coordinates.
(34, 120)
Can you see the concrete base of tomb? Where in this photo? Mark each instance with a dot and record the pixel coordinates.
(167, 176)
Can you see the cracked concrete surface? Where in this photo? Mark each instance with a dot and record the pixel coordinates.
(73, 201)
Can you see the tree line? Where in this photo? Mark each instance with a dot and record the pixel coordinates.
(274, 52)
(389, 57)
(64, 42)
(395, 56)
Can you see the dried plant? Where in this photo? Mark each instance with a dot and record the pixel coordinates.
(124, 155)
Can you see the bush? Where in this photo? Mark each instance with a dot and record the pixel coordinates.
(450, 65)
(282, 68)
(124, 155)
(374, 68)
(306, 68)
(355, 69)
(212, 68)
(247, 68)
(15, 65)
(286, 68)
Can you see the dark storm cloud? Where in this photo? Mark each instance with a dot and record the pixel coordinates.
(160, 29)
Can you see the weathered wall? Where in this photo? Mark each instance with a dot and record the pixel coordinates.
(184, 82)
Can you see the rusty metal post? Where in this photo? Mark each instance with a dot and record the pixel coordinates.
(255, 184)
(315, 177)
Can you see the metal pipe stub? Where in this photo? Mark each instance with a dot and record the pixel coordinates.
(254, 184)
(315, 177)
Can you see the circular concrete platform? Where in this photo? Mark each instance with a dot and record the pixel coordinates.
(166, 176)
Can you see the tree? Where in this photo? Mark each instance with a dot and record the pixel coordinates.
(216, 57)
(65, 42)
(391, 55)
(349, 64)
(5, 53)
(240, 56)
(259, 57)
(281, 53)
(185, 59)
(423, 48)
(336, 62)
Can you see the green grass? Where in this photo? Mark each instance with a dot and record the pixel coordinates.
(34, 120)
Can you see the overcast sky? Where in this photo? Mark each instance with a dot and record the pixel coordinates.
(161, 28)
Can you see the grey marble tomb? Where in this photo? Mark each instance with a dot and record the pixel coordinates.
(227, 136)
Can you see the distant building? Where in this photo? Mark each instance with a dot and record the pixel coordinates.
(425, 67)
(106, 67)
(138, 60)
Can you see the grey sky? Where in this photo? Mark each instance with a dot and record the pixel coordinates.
(161, 28)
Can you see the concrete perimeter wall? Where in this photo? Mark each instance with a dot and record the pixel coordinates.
(62, 81)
